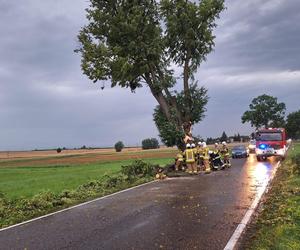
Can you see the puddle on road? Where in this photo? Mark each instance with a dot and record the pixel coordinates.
(259, 174)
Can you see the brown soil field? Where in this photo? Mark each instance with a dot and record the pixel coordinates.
(72, 157)
(13, 155)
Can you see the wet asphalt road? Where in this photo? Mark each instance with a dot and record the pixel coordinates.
(199, 212)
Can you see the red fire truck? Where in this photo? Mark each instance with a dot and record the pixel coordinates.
(270, 142)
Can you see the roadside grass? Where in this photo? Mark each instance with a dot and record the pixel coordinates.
(17, 182)
(277, 225)
(15, 210)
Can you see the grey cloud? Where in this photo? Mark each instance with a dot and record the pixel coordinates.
(258, 33)
(46, 101)
(38, 40)
(256, 52)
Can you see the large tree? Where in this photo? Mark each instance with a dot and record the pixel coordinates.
(132, 43)
(265, 111)
(293, 125)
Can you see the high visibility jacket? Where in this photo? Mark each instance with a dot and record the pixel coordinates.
(200, 152)
(189, 155)
(216, 151)
(195, 153)
(206, 153)
(224, 151)
(179, 157)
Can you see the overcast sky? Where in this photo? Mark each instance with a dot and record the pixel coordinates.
(46, 102)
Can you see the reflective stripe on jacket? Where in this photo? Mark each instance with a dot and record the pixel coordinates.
(206, 153)
(224, 151)
(189, 156)
(200, 152)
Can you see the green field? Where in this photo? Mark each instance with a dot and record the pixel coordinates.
(278, 223)
(17, 182)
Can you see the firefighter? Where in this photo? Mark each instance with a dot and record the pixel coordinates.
(179, 160)
(215, 158)
(196, 157)
(189, 158)
(206, 158)
(194, 148)
(200, 156)
(225, 155)
(216, 148)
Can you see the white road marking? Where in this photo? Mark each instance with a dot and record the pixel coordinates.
(79, 205)
(241, 227)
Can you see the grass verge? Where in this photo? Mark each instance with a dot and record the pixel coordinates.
(277, 224)
(18, 182)
(13, 211)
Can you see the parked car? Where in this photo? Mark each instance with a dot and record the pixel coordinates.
(239, 152)
(252, 146)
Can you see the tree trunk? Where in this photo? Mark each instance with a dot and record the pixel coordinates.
(175, 107)
(162, 103)
(172, 99)
(158, 95)
(182, 123)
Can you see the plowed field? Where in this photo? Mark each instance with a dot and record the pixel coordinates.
(71, 157)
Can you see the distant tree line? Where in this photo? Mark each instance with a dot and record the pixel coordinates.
(150, 143)
(235, 138)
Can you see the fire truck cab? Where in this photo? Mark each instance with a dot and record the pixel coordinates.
(270, 142)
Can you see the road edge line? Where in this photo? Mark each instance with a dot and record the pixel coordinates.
(75, 206)
(246, 219)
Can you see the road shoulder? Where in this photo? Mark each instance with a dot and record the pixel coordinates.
(276, 224)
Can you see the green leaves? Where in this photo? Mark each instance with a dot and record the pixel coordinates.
(123, 38)
(119, 146)
(170, 133)
(133, 42)
(150, 143)
(120, 42)
(265, 111)
(139, 169)
(189, 28)
(199, 99)
(293, 125)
